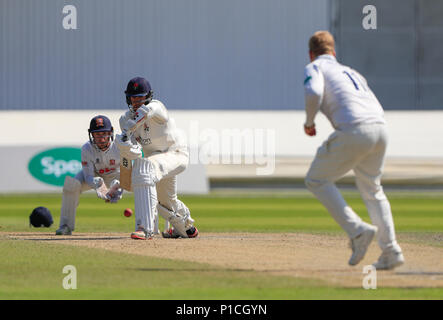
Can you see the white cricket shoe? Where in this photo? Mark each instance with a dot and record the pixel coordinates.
(360, 244)
(63, 231)
(141, 234)
(389, 260)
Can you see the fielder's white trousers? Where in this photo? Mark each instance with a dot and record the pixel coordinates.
(360, 148)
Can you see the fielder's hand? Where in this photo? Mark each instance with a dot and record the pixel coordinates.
(116, 196)
(310, 130)
(100, 188)
(115, 193)
(98, 182)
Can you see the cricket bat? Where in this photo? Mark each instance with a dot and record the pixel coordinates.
(125, 172)
(125, 163)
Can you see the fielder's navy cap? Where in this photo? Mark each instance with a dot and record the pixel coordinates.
(41, 217)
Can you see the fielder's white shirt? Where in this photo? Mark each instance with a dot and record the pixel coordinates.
(97, 163)
(339, 92)
(158, 133)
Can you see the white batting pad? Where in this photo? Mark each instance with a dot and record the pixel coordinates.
(144, 211)
(178, 222)
(70, 199)
(143, 173)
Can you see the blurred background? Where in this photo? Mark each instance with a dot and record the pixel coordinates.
(218, 66)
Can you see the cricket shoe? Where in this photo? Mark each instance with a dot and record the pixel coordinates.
(389, 260)
(64, 230)
(141, 234)
(360, 244)
(192, 232)
(173, 234)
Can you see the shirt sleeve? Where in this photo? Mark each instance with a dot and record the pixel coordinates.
(314, 86)
(88, 167)
(158, 112)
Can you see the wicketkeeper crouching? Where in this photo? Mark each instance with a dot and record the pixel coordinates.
(151, 140)
(100, 171)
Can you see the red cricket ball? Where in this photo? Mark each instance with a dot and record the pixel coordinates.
(127, 212)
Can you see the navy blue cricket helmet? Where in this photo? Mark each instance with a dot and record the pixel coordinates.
(100, 123)
(138, 87)
(41, 217)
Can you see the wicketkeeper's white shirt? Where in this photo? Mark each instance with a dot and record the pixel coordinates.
(339, 92)
(97, 163)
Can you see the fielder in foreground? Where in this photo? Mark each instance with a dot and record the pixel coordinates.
(151, 140)
(100, 171)
(358, 143)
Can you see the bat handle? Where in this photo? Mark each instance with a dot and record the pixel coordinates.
(124, 136)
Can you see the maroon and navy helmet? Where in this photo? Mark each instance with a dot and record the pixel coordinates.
(138, 87)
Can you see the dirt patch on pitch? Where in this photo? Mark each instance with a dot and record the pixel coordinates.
(291, 254)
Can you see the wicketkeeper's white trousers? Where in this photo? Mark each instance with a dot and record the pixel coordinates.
(360, 148)
(71, 196)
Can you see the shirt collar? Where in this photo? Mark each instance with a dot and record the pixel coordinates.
(327, 57)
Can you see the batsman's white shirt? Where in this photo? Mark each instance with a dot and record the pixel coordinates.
(97, 163)
(339, 92)
(158, 134)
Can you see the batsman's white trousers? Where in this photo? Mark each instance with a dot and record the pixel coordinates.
(167, 166)
(360, 148)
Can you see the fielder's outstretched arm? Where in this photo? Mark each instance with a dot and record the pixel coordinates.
(314, 86)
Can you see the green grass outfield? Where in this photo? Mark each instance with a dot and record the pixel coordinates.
(33, 270)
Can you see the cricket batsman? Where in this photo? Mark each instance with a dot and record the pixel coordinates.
(100, 171)
(358, 143)
(151, 140)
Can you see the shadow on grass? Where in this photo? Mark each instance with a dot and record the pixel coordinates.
(71, 239)
(190, 270)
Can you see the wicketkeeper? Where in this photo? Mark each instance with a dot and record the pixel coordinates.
(159, 153)
(100, 171)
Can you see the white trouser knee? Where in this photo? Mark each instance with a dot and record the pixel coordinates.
(312, 184)
(331, 198)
